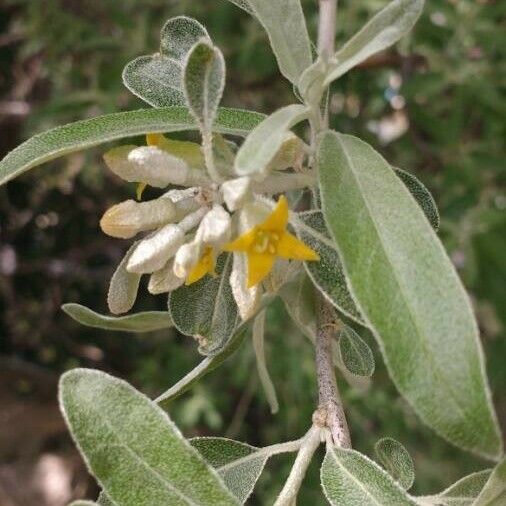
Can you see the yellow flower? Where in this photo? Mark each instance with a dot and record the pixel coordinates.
(206, 265)
(268, 240)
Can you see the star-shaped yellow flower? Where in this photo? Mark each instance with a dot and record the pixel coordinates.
(268, 240)
(206, 265)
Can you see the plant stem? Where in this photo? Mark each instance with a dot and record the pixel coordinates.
(291, 488)
(328, 394)
(327, 27)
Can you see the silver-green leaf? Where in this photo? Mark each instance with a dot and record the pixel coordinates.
(494, 491)
(157, 78)
(123, 286)
(85, 134)
(113, 423)
(422, 195)
(462, 493)
(239, 465)
(396, 460)
(383, 30)
(243, 4)
(327, 274)
(206, 309)
(286, 27)
(264, 142)
(204, 81)
(148, 321)
(351, 479)
(407, 289)
(356, 355)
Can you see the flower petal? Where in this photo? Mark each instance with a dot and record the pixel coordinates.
(290, 247)
(243, 242)
(278, 219)
(259, 265)
(204, 266)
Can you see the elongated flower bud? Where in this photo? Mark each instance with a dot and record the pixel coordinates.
(247, 299)
(127, 219)
(164, 280)
(236, 192)
(186, 258)
(153, 253)
(215, 227)
(159, 168)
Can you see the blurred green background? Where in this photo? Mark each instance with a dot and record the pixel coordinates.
(434, 105)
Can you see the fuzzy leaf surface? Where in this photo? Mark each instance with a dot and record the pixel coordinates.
(239, 464)
(243, 4)
(494, 491)
(351, 479)
(422, 195)
(327, 274)
(207, 309)
(157, 78)
(407, 289)
(264, 142)
(139, 322)
(85, 134)
(396, 460)
(135, 451)
(383, 30)
(204, 81)
(356, 355)
(286, 27)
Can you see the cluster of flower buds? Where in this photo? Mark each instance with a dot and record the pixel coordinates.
(188, 227)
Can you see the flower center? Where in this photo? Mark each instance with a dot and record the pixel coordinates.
(266, 242)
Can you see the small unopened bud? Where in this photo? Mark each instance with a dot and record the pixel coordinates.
(236, 192)
(164, 280)
(129, 218)
(215, 227)
(186, 258)
(152, 253)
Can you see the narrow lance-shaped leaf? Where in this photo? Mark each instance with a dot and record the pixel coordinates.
(350, 478)
(204, 81)
(157, 78)
(243, 4)
(494, 491)
(85, 134)
(383, 30)
(422, 196)
(409, 293)
(239, 465)
(113, 423)
(206, 309)
(327, 274)
(263, 143)
(261, 360)
(286, 27)
(396, 460)
(355, 353)
(124, 286)
(462, 493)
(148, 321)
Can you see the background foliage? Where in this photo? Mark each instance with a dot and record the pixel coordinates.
(433, 106)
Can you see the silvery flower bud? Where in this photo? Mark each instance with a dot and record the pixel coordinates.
(247, 299)
(236, 192)
(186, 258)
(152, 253)
(214, 227)
(157, 167)
(130, 217)
(164, 280)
